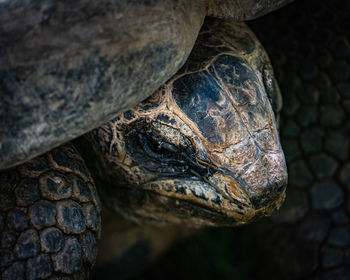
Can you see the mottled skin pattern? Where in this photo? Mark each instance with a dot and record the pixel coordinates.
(309, 238)
(204, 149)
(49, 218)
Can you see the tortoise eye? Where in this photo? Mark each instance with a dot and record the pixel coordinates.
(168, 147)
(156, 147)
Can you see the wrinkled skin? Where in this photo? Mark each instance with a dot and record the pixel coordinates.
(204, 149)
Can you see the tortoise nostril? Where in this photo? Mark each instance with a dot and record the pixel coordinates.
(268, 195)
(281, 188)
(266, 180)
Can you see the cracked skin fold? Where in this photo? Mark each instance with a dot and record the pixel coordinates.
(204, 149)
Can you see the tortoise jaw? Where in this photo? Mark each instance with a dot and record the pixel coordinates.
(220, 194)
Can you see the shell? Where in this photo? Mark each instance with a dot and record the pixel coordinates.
(68, 67)
(243, 9)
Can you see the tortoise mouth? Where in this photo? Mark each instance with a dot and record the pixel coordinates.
(148, 206)
(227, 199)
(187, 200)
(220, 185)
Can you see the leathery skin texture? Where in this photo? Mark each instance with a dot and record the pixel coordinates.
(204, 149)
(49, 218)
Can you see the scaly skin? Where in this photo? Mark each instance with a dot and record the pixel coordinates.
(49, 218)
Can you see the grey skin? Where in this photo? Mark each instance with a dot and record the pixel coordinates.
(67, 67)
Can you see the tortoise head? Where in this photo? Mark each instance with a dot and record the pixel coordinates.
(204, 149)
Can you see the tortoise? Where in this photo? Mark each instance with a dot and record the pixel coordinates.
(68, 67)
(203, 150)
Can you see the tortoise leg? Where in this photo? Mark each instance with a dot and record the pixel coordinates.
(49, 218)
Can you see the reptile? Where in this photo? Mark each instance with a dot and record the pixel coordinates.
(203, 150)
